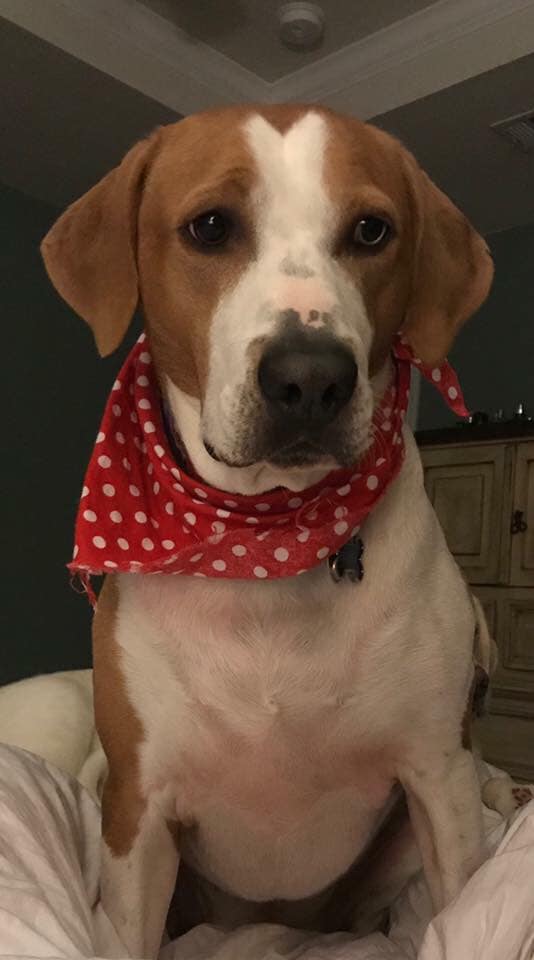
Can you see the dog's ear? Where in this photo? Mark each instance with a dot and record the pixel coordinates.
(90, 252)
(452, 273)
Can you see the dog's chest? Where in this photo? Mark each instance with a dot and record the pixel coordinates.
(256, 693)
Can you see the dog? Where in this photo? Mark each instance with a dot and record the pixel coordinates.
(258, 729)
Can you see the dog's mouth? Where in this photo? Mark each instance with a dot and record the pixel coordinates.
(300, 453)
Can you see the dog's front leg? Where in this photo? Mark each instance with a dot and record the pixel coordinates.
(445, 808)
(139, 867)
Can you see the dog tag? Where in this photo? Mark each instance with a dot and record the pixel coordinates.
(347, 562)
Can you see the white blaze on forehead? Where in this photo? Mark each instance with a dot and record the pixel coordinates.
(291, 204)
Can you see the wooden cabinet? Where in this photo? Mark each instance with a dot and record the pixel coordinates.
(483, 494)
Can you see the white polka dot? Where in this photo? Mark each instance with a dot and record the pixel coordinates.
(196, 557)
(190, 518)
(252, 520)
(104, 462)
(178, 486)
(303, 536)
(147, 544)
(263, 507)
(144, 404)
(142, 380)
(239, 550)
(341, 527)
(386, 426)
(219, 565)
(263, 536)
(281, 554)
(117, 385)
(154, 523)
(312, 515)
(176, 473)
(169, 508)
(201, 493)
(89, 515)
(85, 491)
(380, 461)
(140, 516)
(119, 437)
(340, 512)
(133, 490)
(216, 537)
(144, 357)
(260, 572)
(452, 392)
(100, 437)
(133, 417)
(123, 544)
(218, 526)
(115, 516)
(108, 490)
(110, 563)
(156, 487)
(230, 503)
(197, 573)
(99, 542)
(158, 450)
(222, 513)
(116, 409)
(322, 553)
(150, 469)
(372, 482)
(295, 502)
(141, 338)
(149, 427)
(75, 551)
(436, 375)
(344, 490)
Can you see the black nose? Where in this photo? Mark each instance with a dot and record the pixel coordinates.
(308, 378)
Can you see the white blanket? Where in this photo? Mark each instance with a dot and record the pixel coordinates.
(49, 842)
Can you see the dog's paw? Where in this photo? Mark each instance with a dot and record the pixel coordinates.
(505, 796)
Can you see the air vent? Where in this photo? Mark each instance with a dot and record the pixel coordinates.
(519, 130)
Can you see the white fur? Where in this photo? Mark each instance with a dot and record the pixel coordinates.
(278, 715)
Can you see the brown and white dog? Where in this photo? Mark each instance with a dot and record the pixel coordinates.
(256, 731)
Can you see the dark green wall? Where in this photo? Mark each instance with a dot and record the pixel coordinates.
(54, 388)
(494, 354)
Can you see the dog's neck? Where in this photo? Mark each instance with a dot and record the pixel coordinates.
(185, 413)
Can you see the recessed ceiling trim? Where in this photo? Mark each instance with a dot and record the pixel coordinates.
(441, 45)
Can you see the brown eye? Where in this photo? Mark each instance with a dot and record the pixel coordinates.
(210, 229)
(371, 232)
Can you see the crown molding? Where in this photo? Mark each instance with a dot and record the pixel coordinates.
(441, 45)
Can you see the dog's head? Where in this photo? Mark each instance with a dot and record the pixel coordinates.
(275, 253)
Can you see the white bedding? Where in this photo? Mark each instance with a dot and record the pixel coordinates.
(49, 841)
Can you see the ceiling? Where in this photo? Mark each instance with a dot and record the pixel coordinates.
(246, 30)
(79, 87)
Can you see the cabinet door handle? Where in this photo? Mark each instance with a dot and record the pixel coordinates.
(518, 524)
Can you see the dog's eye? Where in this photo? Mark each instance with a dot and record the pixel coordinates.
(210, 229)
(371, 232)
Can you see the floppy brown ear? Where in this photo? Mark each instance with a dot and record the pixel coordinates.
(90, 252)
(452, 273)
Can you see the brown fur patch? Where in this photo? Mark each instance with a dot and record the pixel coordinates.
(119, 728)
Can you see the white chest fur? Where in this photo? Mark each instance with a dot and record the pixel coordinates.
(275, 712)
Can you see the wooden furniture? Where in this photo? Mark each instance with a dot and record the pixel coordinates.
(483, 492)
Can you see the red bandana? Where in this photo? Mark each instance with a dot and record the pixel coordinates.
(141, 513)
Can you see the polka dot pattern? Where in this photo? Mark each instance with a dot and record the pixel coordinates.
(141, 512)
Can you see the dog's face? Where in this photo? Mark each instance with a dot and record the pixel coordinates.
(276, 252)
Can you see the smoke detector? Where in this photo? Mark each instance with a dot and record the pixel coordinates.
(300, 25)
(519, 130)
